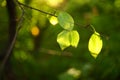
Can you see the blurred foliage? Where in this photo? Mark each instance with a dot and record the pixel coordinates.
(38, 57)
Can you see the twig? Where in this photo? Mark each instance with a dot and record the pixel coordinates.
(92, 29)
(54, 52)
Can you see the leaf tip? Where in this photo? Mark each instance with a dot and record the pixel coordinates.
(94, 55)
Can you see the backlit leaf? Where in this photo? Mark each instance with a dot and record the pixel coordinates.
(53, 20)
(65, 20)
(74, 38)
(63, 39)
(67, 38)
(95, 44)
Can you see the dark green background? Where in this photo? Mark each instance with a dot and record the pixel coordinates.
(40, 58)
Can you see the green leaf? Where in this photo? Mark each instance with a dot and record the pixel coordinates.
(63, 39)
(65, 20)
(67, 38)
(74, 38)
(95, 44)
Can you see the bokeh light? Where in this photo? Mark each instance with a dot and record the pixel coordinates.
(35, 31)
(74, 72)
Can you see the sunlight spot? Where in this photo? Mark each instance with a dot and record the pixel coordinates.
(53, 20)
(35, 31)
(22, 1)
(74, 72)
(117, 3)
(3, 3)
(54, 3)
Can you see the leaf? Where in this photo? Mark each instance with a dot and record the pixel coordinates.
(74, 38)
(95, 44)
(63, 39)
(65, 20)
(67, 38)
(53, 20)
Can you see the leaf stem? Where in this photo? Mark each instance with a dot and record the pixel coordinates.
(93, 28)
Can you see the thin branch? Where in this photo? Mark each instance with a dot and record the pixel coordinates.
(84, 26)
(36, 9)
(54, 52)
(21, 18)
(92, 30)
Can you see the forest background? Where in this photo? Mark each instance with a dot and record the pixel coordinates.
(36, 54)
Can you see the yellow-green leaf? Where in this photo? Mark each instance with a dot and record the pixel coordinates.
(67, 38)
(65, 20)
(95, 44)
(53, 20)
(63, 39)
(74, 38)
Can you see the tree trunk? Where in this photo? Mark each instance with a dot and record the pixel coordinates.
(8, 74)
